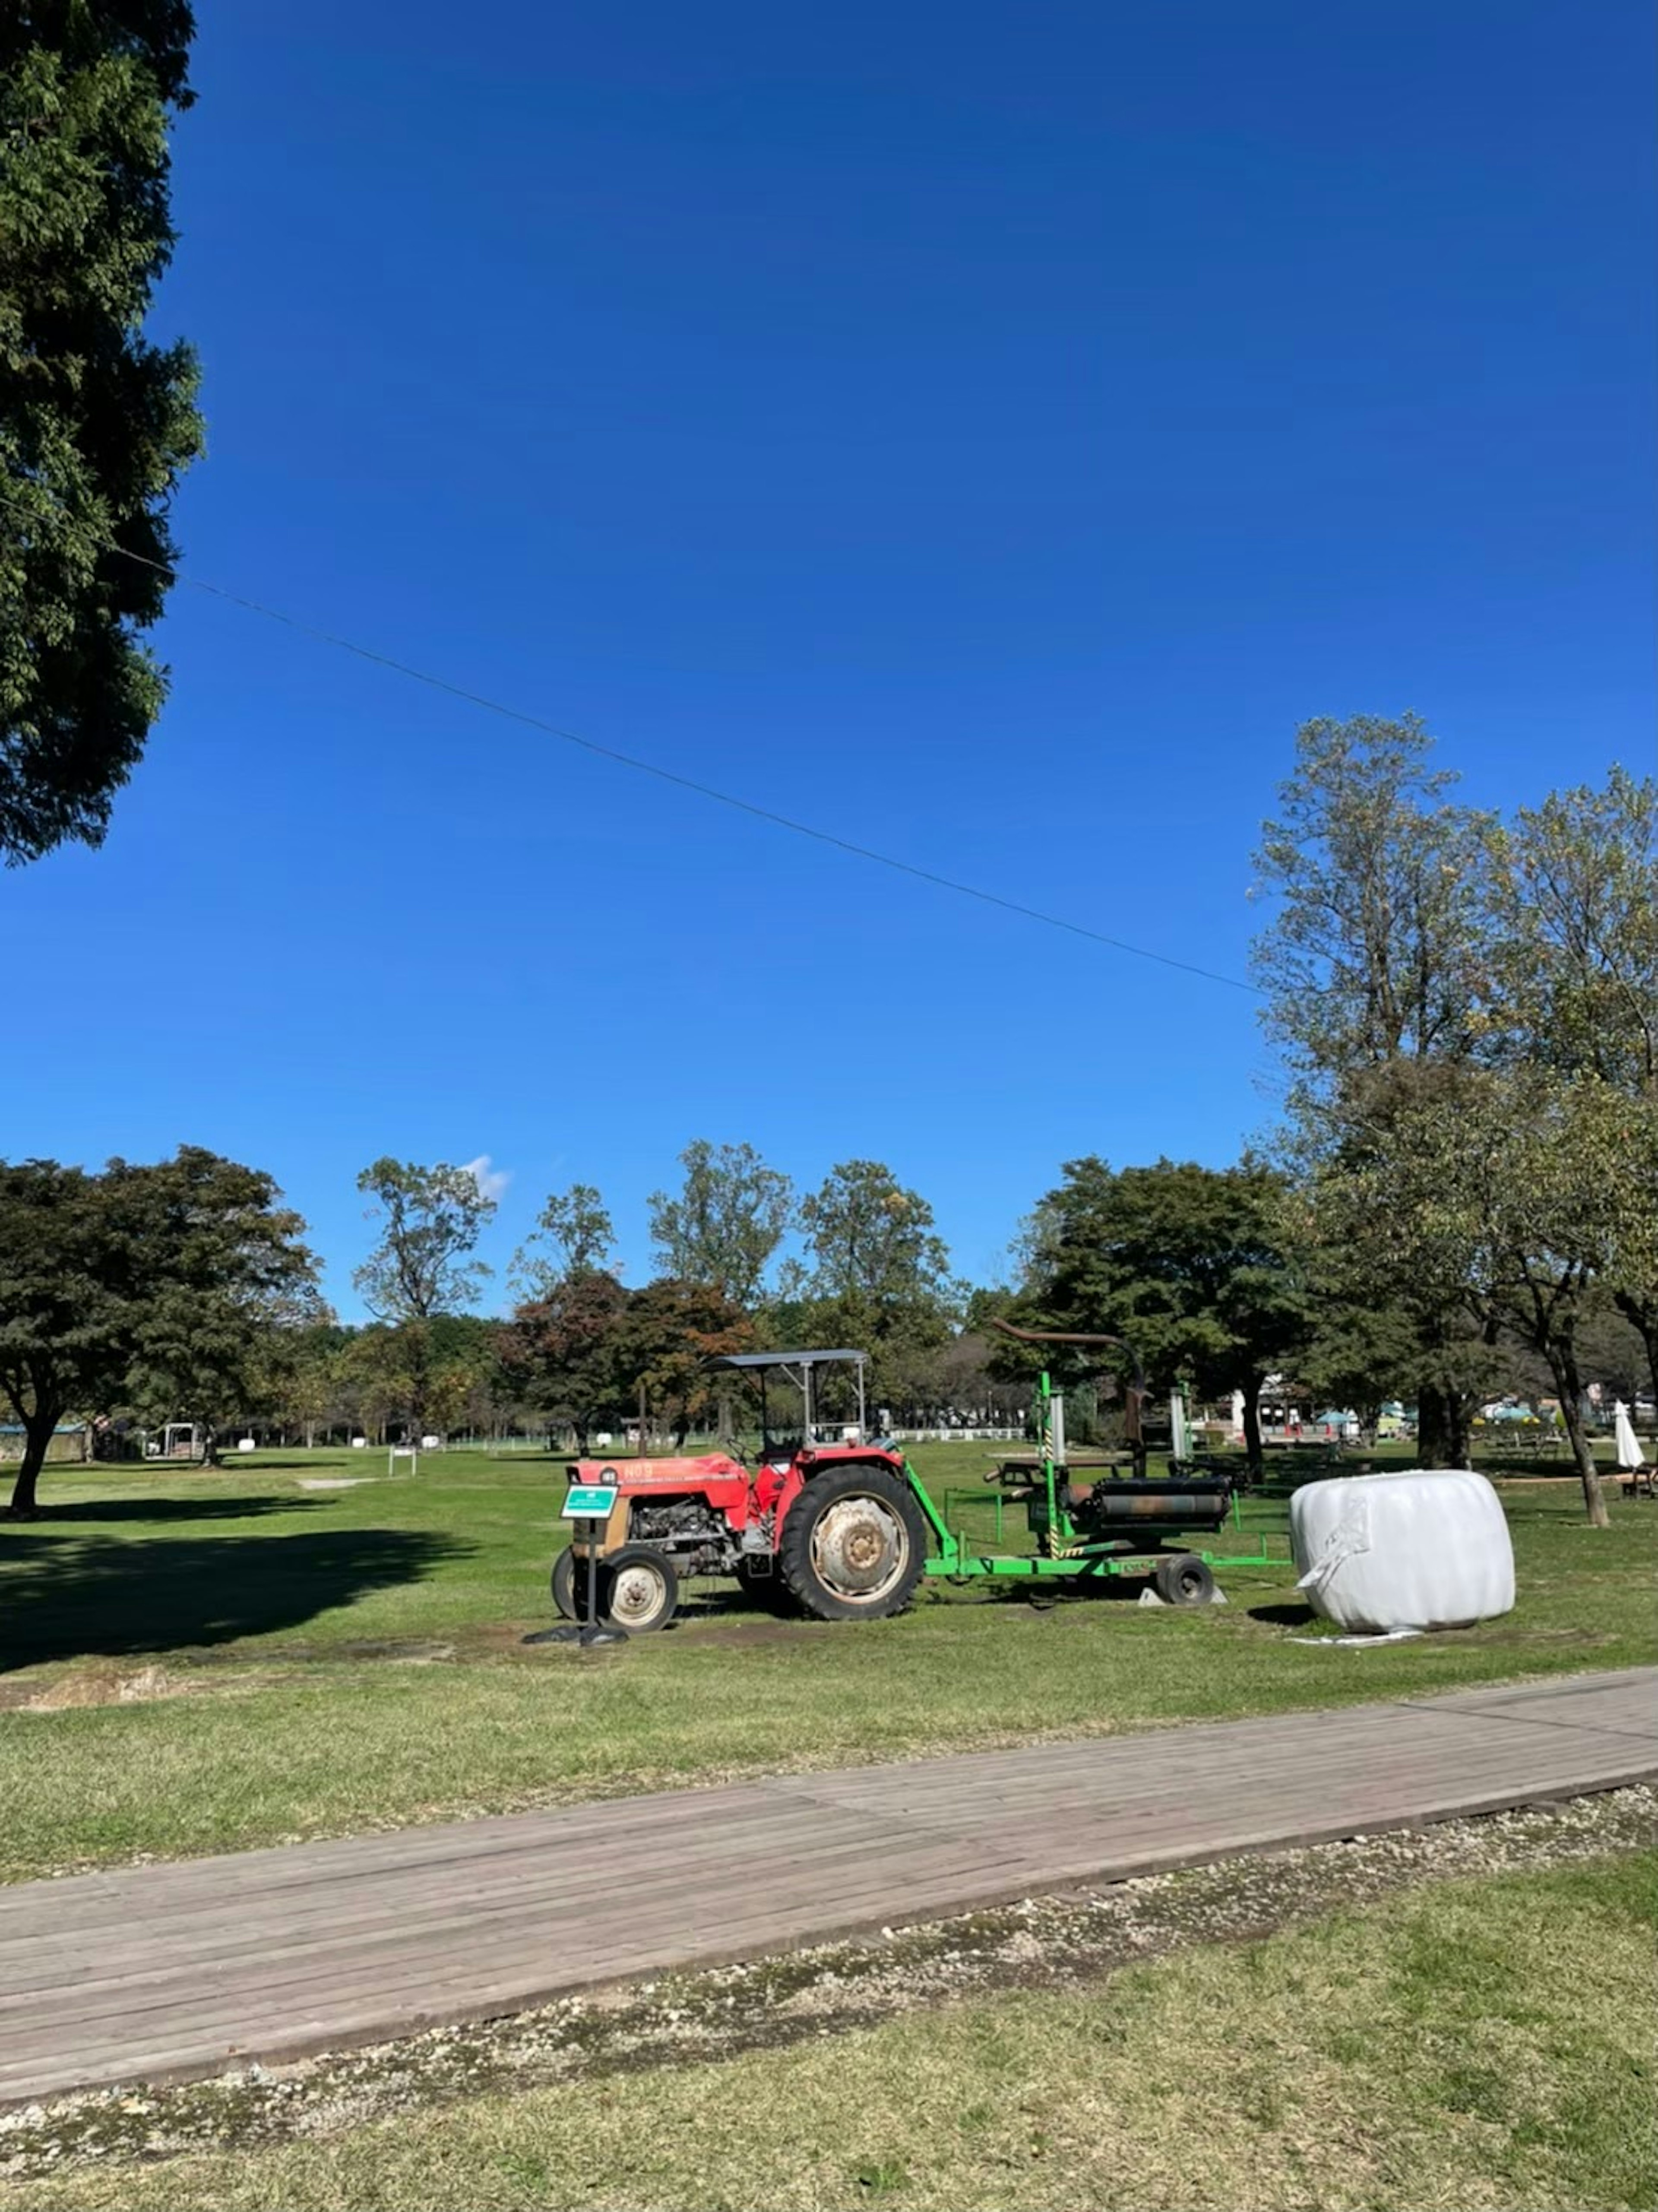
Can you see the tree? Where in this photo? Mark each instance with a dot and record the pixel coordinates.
(151, 1286)
(1381, 966)
(377, 1386)
(1389, 1319)
(304, 1374)
(1519, 1196)
(572, 1235)
(1579, 893)
(220, 1266)
(562, 1352)
(62, 1306)
(876, 1275)
(430, 1220)
(1190, 1265)
(871, 1241)
(97, 424)
(465, 1372)
(1381, 947)
(726, 1223)
(1580, 914)
(669, 1332)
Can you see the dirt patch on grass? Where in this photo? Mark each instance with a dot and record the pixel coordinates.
(1042, 1943)
(100, 1686)
(411, 1650)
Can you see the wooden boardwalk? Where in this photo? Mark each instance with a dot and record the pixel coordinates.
(167, 1972)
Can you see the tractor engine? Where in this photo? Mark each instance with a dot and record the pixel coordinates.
(698, 1535)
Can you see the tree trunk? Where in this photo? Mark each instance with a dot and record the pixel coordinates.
(1433, 1425)
(1641, 1314)
(210, 1446)
(1254, 1454)
(1458, 1430)
(39, 1429)
(1563, 1365)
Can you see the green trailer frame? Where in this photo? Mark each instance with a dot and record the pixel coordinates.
(1062, 1552)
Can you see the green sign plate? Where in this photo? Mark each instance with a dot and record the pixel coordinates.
(588, 1501)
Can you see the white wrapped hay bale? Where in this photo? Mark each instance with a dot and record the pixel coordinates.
(1428, 1549)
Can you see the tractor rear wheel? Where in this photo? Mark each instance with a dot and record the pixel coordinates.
(1183, 1578)
(854, 1545)
(637, 1589)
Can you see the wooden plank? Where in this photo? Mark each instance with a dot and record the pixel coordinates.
(181, 1969)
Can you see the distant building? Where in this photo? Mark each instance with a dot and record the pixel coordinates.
(72, 1441)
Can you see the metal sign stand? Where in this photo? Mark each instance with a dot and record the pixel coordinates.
(588, 1504)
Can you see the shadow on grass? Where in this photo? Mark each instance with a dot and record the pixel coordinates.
(69, 1597)
(163, 1509)
(1284, 1616)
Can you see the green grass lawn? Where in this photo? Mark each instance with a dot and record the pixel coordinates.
(1483, 2043)
(198, 1660)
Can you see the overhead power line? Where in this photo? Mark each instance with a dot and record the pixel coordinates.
(652, 768)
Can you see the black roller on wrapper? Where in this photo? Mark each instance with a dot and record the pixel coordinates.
(1137, 1502)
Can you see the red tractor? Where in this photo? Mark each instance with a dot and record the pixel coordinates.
(823, 1523)
(826, 1523)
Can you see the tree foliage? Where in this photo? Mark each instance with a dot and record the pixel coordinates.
(156, 1287)
(1192, 1265)
(573, 1235)
(1578, 884)
(1380, 946)
(876, 1276)
(669, 1331)
(1470, 1009)
(561, 1352)
(726, 1225)
(1512, 1195)
(96, 423)
(1580, 915)
(430, 1219)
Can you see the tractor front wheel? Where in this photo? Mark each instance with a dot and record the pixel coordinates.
(637, 1589)
(854, 1545)
(570, 1585)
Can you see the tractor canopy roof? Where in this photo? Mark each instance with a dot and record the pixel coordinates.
(785, 1358)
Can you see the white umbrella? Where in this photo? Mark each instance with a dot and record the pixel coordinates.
(1630, 1453)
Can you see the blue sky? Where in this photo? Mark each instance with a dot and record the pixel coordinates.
(983, 430)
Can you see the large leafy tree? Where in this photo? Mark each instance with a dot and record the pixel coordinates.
(1578, 890)
(669, 1331)
(1512, 1194)
(1192, 1265)
(96, 423)
(573, 1235)
(429, 1220)
(877, 1277)
(724, 1224)
(1580, 959)
(66, 1301)
(156, 1286)
(1380, 969)
(1380, 949)
(563, 1353)
(222, 1268)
